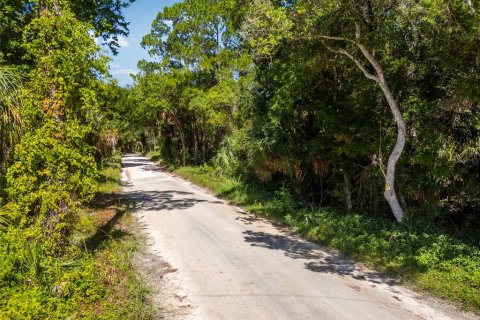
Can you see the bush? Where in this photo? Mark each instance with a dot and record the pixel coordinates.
(52, 175)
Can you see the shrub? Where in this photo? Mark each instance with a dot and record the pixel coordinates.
(52, 175)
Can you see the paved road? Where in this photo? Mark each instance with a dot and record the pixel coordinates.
(233, 266)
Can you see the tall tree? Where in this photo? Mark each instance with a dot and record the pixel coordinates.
(104, 16)
(54, 169)
(308, 89)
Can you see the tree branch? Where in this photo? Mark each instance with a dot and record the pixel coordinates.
(358, 63)
(334, 38)
(368, 55)
(364, 51)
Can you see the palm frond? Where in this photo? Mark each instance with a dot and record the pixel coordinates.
(10, 81)
(10, 121)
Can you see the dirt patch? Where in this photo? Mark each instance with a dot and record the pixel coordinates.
(169, 298)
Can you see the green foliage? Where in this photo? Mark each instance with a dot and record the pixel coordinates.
(109, 178)
(283, 200)
(66, 63)
(97, 281)
(265, 27)
(53, 263)
(54, 171)
(230, 158)
(52, 175)
(187, 102)
(105, 16)
(101, 285)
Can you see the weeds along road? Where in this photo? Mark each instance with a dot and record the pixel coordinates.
(230, 265)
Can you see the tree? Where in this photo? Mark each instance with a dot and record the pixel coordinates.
(104, 16)
(66, 64)
(379, 77)
(54, 169)
(193, 83)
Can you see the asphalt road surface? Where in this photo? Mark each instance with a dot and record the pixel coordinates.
(231, 265)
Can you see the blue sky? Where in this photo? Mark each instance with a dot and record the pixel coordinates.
(140, 14)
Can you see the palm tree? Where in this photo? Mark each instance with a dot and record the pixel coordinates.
(10, 121)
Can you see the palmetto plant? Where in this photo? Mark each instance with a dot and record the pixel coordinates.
(10, 121)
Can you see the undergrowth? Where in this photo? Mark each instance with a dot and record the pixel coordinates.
(95, 281)
(424, 256)
(109, 177)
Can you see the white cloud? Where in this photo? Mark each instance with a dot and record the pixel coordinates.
(123, 42)
(97, 40)
(120, 71)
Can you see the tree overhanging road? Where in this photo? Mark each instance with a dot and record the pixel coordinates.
(234, 266)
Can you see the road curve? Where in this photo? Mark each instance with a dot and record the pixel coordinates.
(234, 266)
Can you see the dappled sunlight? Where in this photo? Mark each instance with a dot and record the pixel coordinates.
(324, 260)
(162, 200)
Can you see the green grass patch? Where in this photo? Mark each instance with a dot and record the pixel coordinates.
(423, 255)
(254, 198)
(154, 155)
(109, 178)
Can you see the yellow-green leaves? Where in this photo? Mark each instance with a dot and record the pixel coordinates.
(53, 174)
(66, 63)
(265, 27)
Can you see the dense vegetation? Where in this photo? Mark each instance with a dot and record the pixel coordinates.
(350, 110)
(65, 251)
(96, 281)
(302, 93)
(326, 115)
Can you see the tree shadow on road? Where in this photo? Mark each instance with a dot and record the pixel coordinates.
(145, 163)
(320, 259)
(164, 200)
(137, 162)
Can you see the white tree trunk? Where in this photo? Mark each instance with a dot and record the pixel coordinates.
(347, 190)
(379, 77)
(389, 193)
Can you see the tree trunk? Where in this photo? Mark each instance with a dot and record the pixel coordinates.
(195, 142)
(154, 140)
(182, 138)
(2, 150)
(389, 193)
(347, 190)
(379, 77)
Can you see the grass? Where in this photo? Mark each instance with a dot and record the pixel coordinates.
(109, 178)
(110, 247)
(154, 155)
(423, 256)
(252, 197)
(106, 227)
(98, 282)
